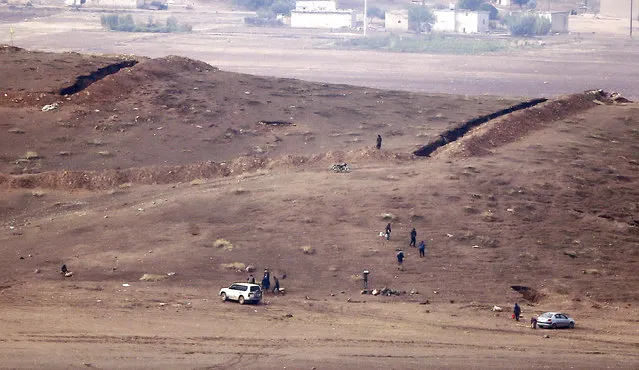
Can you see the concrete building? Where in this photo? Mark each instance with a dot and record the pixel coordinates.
(619, 8)
(396, 20)
(461, 21)
(558, 21)
(321, 14)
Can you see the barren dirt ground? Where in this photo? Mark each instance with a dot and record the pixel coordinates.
(146, 171)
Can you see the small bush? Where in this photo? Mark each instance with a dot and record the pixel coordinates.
(527, 25)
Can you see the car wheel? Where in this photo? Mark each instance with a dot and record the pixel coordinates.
(571, 325)
(223, 296)
(241, 300)
(554, 326)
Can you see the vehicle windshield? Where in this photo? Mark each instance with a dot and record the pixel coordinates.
(547, 314)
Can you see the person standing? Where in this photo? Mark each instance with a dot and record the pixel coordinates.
(266, 281)
(517, 311)
(388, 231)
(422, 249)
(251, 279)
(276, 284)
(400, 259)
(379, 142)
(365, 279)
(413, 237)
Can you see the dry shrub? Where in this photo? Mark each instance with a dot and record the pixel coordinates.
(105, 153)
(153, 277)
(196, 182)
(307, 249)
(489, 216)
(591, 272)
(223, 244)
(388, 217)
(237, 266)
(31, 155)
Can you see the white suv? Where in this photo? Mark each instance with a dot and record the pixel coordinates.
(242, 292)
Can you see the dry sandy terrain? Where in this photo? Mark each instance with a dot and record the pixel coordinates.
(141, 172)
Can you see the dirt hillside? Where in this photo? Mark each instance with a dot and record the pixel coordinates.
(174, 168)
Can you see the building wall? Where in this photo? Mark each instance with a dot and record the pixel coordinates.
(337, 19)
(461, 21)
(619, 8)
(316, 6)
(396, 20)
(445, 21)
(558, 21)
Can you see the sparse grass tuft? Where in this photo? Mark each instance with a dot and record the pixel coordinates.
(237, 266)
(31, 155)
(388, 217)
(223, 244)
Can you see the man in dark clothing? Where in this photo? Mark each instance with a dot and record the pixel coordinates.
(251, 279)
(365, 279)
(276, 284)
(517, 311)
(63, 269)
(388, 231)
(413, 237)
(422, 249)
(379, 141)
(400, 258)
(266, 281)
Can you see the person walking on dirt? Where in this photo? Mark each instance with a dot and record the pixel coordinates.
(516, 311)
(400, 259)
(422, 249)
(413, 237)
(365, 279)
(379, 142)
(388, 231)
(276, 284)
(533, 322)
(266, 281)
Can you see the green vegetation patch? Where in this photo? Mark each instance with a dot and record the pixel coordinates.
(125, 23)
(431, 43)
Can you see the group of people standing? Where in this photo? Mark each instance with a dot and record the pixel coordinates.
(413, 243)
(266, 281)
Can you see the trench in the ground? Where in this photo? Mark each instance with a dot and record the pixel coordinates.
(458, 131)
(84, 81)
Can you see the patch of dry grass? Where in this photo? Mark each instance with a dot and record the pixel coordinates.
(223, 244)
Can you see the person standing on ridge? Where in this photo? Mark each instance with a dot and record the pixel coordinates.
(413, 237)
(379, 142)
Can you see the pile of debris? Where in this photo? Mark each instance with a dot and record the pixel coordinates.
(340, 168)
(384, 291)
(604, 98)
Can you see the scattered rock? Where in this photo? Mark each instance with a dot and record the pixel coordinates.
(68, 274)
(546, 336)
(571, 254)
(37, 271)
(49, 107)
(289, 315)
(496, 309)
(250, 268)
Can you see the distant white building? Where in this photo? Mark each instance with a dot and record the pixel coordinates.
(396, 20)
(558, 21)
(461, 21)
(321, 14)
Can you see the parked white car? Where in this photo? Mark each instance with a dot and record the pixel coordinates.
(555, 320)
(242, 292)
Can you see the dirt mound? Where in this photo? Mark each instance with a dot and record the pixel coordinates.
(99, 180)
(4, 48)
(511, 127)
(141, 78)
